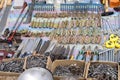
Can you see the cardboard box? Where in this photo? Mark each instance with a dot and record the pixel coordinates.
(65, 63)
(100, 62)
(9, 75)
(48, 64)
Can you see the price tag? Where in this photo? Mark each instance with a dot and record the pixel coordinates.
(1, 54)
(57, 5)
(18, 3)
(9, 55)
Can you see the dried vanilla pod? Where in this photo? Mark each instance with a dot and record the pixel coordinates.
(71, 41)
(87, 23)
(58, 24)
(82, 39)
(68, 39)
(45, 24)
(35, 24)
(69, 70)
(78, 38)
(98, 39)
(36, 61)
(55, 25)
(65, 23)
(52, 24)
(12, 66)
(39, 25)
(83, 23)
(103, 72)
(32, 22)
(93, 39)
(62, 24)
(75, 39)
(48, 25)
(87, 39)
(71, 23)
(64, 40)
(59, 39)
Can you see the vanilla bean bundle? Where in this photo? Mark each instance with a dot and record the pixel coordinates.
(73, 36)
(64, 20)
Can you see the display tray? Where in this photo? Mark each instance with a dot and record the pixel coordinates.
(9, 75)
(112, 64)
(7, 64)
(60, 78)
(48, 63)
(65, 63)
(14, 76)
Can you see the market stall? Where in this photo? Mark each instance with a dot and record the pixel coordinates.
(72, 39)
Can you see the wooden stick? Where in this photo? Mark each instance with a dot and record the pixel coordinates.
(106, 6)
(2, 4)
(9, 2)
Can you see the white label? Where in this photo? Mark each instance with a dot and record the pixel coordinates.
(18, 3)
(10, 55)
(57, 5)
(1, 54)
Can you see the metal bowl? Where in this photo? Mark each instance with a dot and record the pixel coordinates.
(36, 74)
